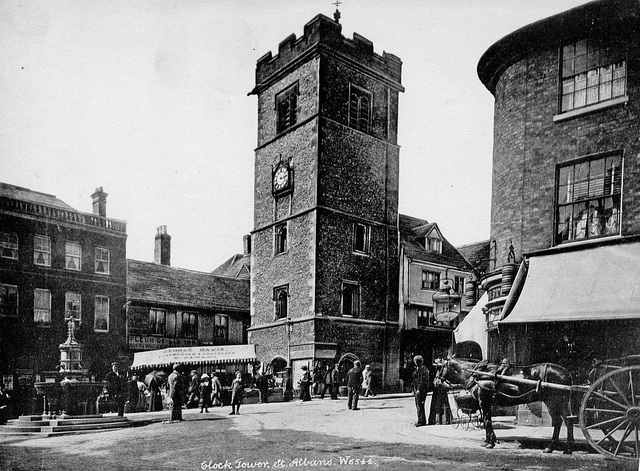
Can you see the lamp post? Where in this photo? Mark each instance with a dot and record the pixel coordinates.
(446, 302)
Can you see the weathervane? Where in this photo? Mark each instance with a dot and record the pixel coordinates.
(336, 15)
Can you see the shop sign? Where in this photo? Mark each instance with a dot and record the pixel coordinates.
(154, 343)
(7, 380)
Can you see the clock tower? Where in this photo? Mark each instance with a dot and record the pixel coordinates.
(324, 277)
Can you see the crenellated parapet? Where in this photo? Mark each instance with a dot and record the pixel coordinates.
(324, 35)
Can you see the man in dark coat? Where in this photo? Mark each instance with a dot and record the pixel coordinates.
(176, 392)
(420, 387)
(117, 387)
(354, 383)
(4, 404)
(194, 390)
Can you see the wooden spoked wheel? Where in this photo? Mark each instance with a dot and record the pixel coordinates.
(610, 413)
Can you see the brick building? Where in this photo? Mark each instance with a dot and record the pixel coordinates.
(565, 187)
(175, 307)
(56, 263)
(324, 271)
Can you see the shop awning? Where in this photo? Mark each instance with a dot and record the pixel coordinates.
(601, 283)
(474, 326)
(211, 355)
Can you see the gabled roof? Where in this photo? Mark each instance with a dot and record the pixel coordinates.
(238, 266)
(477, 254)
(412, 234)
(152, 282)
(25, 194)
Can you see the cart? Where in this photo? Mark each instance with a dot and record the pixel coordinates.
(465, 411)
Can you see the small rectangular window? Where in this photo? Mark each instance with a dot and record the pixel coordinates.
(8, 301)
(73, 306)
(42, 251)
(9, 245)
(361, 238)
(350, 299)
(73, 256)
(281, 301)
(101, 323)
(42, 306)
(157, 321)
(221, 326)
(188, 325)
(102, 260)
(458, 284)
(430, 280)
(287, 108)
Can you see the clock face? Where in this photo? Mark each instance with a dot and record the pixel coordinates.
(281, 178)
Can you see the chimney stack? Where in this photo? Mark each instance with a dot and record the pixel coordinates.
(162, 252)
(100, 202)
(246, 243)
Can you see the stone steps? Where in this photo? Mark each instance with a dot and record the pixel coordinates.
(44, 426)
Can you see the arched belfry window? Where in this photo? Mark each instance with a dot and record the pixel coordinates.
(359, 109)
(280, 239)
(281, 299)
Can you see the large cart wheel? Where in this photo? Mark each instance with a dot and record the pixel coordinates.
(610, 413)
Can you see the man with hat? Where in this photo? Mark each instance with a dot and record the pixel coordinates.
(116, 386)
(420, 387)
(194, 390)
(175, 393)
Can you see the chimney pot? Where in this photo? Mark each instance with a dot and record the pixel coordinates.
(162, 249)
(246, 243)
(99, 199)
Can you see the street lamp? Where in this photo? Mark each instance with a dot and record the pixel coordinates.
(446, 302)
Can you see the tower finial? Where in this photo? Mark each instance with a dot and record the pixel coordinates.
(336, 15)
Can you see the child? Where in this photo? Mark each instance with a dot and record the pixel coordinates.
(237, 389)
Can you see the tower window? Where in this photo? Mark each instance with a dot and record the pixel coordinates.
(9, 245)
(591, 73)
(281, 299)
(102, 260)
(280, 239)
(73, 256)
(73, 306)
(589, 194)
(42, 306)
(42, 251)
(157, 321)
(359, 109)
(430, 280)
(361, 238)
(287, 108)
(350, 299)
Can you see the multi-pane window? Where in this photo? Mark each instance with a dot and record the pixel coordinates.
(458, 284)
(591, 73)
(73, 256)
(287, 108)
(101, 322)
(9, 245)
(361, 238)
(73, 306)
(281, 300)
(102, 260)
(424, 315)
(350, 299)
(42, 306)
(8, 300)
(188, 325)
(430, 280)
(433, 244)
(280, 239)
(221, 326)
(42, 251)
(359, 109)
(589, 194)
(157, 321)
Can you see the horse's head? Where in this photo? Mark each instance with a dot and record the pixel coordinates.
(453, 371)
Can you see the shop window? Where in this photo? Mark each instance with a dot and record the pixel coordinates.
(221, 326)
(42, 251)
(281, 300)
(157, 321)
(101, 322)
(350, 299)
(287, 108)
(102, 260)
(589, 197)
(359, 108)
(8, 301)
(73, 256)
(9, 245)
(42, 306)
(430, 280)
(73, 306)
(592, 73)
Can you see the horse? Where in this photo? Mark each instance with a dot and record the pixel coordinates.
(489, 390)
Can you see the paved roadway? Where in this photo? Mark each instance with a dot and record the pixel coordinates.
(316, 435)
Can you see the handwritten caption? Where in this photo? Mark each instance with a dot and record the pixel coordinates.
(241, 463)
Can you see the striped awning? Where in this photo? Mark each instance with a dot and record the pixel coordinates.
(209, 355)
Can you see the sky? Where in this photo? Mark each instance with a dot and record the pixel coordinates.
(148, 99)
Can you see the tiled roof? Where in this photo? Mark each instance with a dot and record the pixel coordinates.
(477, 254)
(238, 266)
(25, 194)
(153, 282)
(412, 233)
